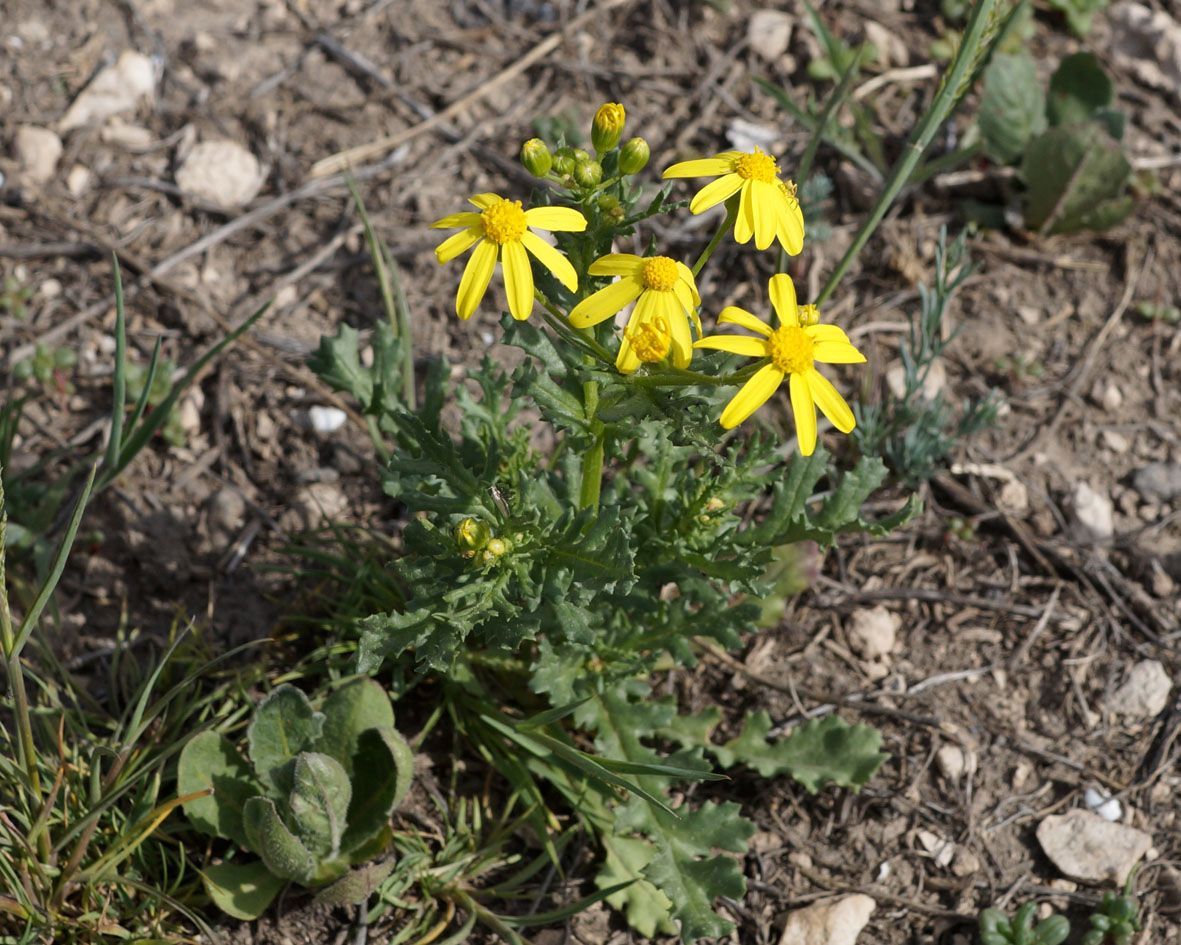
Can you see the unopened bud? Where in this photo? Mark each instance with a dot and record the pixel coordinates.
(536, 157)
(633, 157)
(471, 535)
(588, 173)
(496, 548)
(611, 208)
(607, 128)
(564, 161)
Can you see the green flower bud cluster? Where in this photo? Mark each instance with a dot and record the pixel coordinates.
(474, 538)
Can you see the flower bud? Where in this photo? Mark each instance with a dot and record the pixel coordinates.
(496, 548)
(564, 160)
(588, 173)
(633, 157)
(580, 155)
(471, 535)
(611, 208)
(536, 157)
(607, 127)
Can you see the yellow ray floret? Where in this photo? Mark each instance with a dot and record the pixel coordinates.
(662, 288)
(767, 206)
(791, 351)
(502, 230)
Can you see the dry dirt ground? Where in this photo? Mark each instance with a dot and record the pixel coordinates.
(1013, 633)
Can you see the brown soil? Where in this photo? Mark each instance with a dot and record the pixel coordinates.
(1013, 633)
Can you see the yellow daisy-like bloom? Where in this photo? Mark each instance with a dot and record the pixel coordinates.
(662, 288)
(502, 231)
(767, 206)
(791, 351)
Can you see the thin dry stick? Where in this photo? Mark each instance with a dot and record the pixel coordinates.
(364, 152)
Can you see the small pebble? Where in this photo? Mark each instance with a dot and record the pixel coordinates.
(326, 419)
(1103, 804)
(1158, 482)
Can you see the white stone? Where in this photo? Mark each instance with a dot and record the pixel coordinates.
(326, 419)
(37, 150)
(1145, 692)
(950, 761)
(118, 88)
(1013, 497)
(769, 33)
(78, 180)
(1116, 442)
(129, 137)
(873, 631)
(941, 849)
(933, 383)
(1094, 511)
(222, 173)
(1103, 804)
(1112, 398)
(831, 922)
(1087, 848)
(891, 47)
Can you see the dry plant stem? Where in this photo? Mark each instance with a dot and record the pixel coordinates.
(946, 97)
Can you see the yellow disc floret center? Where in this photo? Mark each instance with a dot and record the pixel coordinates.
(504, 222)
(651, 340)
(757, 166)
(791, 349)
(659, 273)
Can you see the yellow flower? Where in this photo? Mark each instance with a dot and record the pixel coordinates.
(661, 288)
(791, 350)
(607, 127)
(767, 207)
(651, 340)
(502, 231)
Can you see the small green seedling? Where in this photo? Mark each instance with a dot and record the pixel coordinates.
(996, 929)
(1067, 143)
(1116, 919)
(316, 804)
(1159, 312)
(14, 297)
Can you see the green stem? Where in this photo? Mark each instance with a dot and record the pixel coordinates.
(958, 73)
(676, 377)
(592, 459)
(16, 682)
(557, 321)
(731, 216)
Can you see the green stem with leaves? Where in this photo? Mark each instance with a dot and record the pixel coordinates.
(727, 223)
(979, 31)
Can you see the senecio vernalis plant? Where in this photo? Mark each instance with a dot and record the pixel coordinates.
(544, 589)
(314, 802)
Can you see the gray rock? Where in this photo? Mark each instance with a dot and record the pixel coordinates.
(769, 32)
(118, 88)
(1158, 482)
(222, 173)
(1145, 692)
(1094, 511)
(832, 922)
(1087, 848)
(873, 631)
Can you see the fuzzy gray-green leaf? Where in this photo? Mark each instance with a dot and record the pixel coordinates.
(279, 848)
(208, 760)
(319, 803)
(384, 765)
(1075, 176)
(1012, 106)
(241, 890)
(284, 724)
(1078, 88)
(355, 886)
(354, 707)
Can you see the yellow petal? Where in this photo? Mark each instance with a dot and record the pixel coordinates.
(829, 401)
(687, 308)
(715, 192)
(687, 277)
(826, 333)
(733, 315)
(681, 341)
(616, 264)
(789, 227)
(752, 396)
(765, 199)
(704, 167)
(458, 243)
(484, 201)
(518, 279)
(553, 260)
(744, 224)
(627, 361)
(556, 218)
(783, 300)
(836, 352)
(805, 413)
(605, 303)
(476, 274)
(735, 344)
(467, 218)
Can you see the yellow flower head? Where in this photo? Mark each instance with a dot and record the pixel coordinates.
(767, 207)
(502, 231)
(662, 288)
(791, 351)
(607, 127)
(651, 340)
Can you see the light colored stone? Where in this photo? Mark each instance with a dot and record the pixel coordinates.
(950, 761)
(966, 863)
(1145, 692)
(78, 180)
(831, 922)
(769, 33)
(933, 383)
(326, 419)
(1093, 511)
(892, 51)
(227, 510)
(1158, 482)
(1116, 442)
(1013, 497)
(37, 150)
(1148, 44)
(129, 137)
(322, 502)
(116, 89)
(941, 849)
(873, 631)
(220, 172)
(1088, 849)
(1103, 804)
